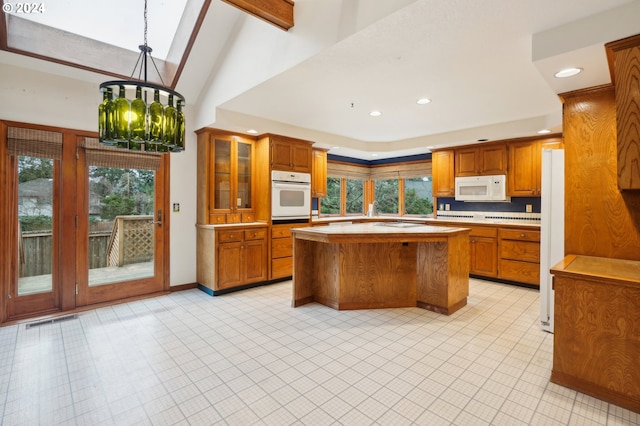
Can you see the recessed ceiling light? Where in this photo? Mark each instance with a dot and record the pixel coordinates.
(335, 147)
(375, 113)
(568, 72)
(252, 131)
(374, 155)
(544, 131)
(423, 101)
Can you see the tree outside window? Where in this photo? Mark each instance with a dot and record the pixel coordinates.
(386, 195)
(417, 196)
(331, 203)
(355, 196)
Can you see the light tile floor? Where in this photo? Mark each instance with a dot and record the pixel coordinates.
(249, 358)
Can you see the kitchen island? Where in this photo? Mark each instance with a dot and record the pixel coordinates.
(381, 265)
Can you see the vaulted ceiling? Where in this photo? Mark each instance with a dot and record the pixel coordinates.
(487, 67)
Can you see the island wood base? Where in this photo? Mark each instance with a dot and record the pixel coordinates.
(428, 269)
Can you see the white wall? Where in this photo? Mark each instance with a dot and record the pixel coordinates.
(41, 98)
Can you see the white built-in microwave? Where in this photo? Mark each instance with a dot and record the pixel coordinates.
(481, 188)
(290, 195)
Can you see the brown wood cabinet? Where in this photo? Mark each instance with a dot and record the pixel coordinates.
(525, 166)
(624, 58)
(483, 251)
(442, 171)
(596, 344)
(488, 159)
(519, 255)
(290, 154)
(282, 250)
(226, 170)
(241, 256)
(319, 173)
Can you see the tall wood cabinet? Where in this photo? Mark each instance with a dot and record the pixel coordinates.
(226, 165)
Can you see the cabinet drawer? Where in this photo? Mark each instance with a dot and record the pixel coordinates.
(525, 251)
(523, 272)
(233, 217)
(481, 231)
(520, 234)
(255, 234)
(230, 236)
(217, 218)
(248, 217)
(281, 247)
(282, 267)
(281, 232)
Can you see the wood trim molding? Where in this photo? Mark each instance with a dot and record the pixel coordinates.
(614, 46)
(275, 12)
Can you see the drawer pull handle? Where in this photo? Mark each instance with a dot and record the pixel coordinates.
(522, 235)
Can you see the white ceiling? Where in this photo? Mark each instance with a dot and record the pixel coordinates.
(473, 59)
(486, 65)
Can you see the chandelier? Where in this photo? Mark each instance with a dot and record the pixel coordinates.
(141, 116)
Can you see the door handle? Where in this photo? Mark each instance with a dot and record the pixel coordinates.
(159, 221)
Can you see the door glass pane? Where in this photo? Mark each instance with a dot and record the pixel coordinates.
(417, 196)
(331, 203)
(244, 176)
(386, 195)
(121, 228)
(222, 175)
(35, 220)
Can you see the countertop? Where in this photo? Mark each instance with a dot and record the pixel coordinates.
(482, 220)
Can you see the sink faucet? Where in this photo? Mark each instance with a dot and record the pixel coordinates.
(373, 211)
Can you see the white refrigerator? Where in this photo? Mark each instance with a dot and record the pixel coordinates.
(551, 228)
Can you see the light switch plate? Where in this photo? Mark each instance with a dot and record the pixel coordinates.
(529, 208)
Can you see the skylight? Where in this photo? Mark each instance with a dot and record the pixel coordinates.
(116, 22)
(104, 36)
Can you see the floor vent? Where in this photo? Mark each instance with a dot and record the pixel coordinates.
(52, 320)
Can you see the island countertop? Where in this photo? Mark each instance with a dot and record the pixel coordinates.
(381, 265)
(375, 232)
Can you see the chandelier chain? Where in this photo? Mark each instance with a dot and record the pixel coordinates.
(145, 23)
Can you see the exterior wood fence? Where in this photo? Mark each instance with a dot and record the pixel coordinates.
(36, 251)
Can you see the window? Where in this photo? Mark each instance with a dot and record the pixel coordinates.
(354, 196)
(331, 203)
(386, 196)
(418, 198)
(397, 189)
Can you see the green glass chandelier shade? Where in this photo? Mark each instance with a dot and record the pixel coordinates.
(141, 124)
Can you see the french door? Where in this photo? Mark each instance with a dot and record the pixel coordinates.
(80, 224)
(121, 250)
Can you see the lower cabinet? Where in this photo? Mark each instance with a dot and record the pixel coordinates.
(483, 251)
(241, 256)
(282, 250)
(520, 255)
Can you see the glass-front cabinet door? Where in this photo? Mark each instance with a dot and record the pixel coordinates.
(231, 185)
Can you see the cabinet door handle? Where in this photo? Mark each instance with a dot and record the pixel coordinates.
(521, 235)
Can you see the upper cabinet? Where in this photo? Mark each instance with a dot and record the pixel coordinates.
(624, 59)
(319, 173)
(481, 160)
(226, 163)
(525, 166)
(442, 172)
(291, 155)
